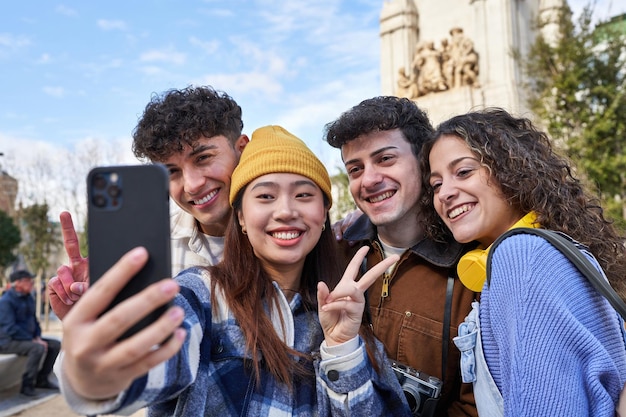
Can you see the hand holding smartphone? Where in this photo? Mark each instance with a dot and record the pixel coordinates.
(128, 206)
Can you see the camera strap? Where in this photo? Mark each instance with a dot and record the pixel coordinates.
(447, 317)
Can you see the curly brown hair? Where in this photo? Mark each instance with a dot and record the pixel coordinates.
(178, 117)
(532, 177)
(379, 114)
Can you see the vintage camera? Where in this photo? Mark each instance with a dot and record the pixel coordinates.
(421, 390)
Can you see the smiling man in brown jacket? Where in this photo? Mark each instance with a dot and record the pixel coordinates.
(417, 305)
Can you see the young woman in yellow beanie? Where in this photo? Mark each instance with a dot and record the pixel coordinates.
(259, 334)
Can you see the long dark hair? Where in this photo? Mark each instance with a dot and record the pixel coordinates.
(249, 290)
(532, 177)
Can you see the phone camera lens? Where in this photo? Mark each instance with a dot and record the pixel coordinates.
(114, 191)
(99, 200)
(99, 182)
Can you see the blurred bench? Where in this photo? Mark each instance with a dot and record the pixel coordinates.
(12, 368)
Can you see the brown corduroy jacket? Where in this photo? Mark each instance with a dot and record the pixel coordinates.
(409, 319)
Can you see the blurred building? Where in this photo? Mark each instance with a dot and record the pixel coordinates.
(8, 193)
(453, 56)
(614, 26)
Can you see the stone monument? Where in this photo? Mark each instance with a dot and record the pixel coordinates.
(453, 56)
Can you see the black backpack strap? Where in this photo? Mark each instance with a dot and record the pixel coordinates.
(366, 311)
(567, 246)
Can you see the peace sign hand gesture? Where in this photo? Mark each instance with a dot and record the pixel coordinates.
(341, 311)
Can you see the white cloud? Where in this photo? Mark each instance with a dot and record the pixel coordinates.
(19, 151)
(105, 24)
(208, 47)
(115, 63)
(11, 115)
(57, 92)
(218, 12)
(66, 11)
(166, 55)
(355, 47)
(44, 58)
(98, 69)
(13, 42)
(326, 102)
(151, 70)
(301, 15)
(45, 170)
(249, 83)
(262, 59)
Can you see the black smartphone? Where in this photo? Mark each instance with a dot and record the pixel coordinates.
(128, 206)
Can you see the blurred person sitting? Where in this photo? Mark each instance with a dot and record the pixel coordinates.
(20, 333)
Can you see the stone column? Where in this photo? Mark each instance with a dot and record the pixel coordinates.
(549, 14)
(399, 33)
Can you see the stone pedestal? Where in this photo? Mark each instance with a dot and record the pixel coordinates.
(443, 105)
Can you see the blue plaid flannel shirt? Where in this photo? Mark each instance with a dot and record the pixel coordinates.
(209, 376)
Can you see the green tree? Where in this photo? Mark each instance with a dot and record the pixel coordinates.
(577, 90)
(40, 237)
(342, 199)
(9, 239)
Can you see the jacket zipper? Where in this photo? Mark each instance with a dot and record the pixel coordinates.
(386, 279)
(386, 275)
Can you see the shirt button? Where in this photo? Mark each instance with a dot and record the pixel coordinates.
(333, 375)
(408, 314)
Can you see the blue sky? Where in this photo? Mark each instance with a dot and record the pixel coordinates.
(77, 72)
(74, 69)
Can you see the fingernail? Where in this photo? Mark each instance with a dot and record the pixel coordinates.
(76, 291)
(180, 334)
(176, 313)
(137, 253)
(169, 287)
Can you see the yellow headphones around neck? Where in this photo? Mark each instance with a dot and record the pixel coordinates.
(472, 267)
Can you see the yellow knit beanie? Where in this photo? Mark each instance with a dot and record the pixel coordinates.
(272, 149)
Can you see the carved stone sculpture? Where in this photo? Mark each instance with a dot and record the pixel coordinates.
(433, 70)
(427, 65)
(464, 59)
(407, 86)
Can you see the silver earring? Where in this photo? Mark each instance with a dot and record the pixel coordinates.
(323, 227)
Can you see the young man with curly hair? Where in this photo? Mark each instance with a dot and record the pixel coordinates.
(196, 132)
